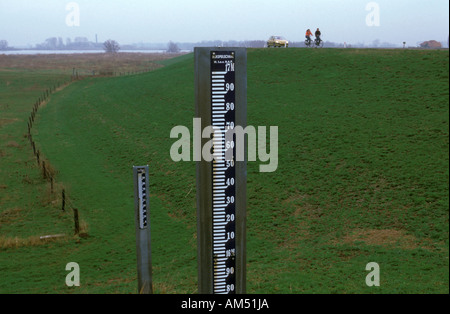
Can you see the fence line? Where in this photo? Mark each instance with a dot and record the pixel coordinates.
(47, 171)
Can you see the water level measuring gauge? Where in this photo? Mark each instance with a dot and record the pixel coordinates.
(142, 197)
(221, 86)
(223, 171)
(142, 223)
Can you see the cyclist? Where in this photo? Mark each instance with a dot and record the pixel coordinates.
(318, 34)
(308, 35)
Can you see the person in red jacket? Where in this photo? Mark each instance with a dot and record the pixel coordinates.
(308, 35)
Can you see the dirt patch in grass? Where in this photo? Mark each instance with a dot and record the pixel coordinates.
(384, 237)
(296, 197)
(302, 206)
(13, 144)
(10, 215)
(16, 242)
(4, 122)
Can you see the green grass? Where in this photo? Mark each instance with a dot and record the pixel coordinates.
(24, 200)
(362, 176)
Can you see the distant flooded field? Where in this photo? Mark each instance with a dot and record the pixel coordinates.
(92, 63)
(51, 52)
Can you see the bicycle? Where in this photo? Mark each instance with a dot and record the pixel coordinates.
(318, 43)
(308, 42)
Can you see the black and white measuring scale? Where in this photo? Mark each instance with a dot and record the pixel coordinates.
(142, 223)
(223, 119)
(221, 83)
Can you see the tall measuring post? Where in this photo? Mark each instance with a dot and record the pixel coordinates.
(142, 223)
(221, 103)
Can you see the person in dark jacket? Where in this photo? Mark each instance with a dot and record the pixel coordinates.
(318, 34)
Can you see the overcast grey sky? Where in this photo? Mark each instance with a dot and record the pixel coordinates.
(353, 21)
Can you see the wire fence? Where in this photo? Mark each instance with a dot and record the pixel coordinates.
(48, 172)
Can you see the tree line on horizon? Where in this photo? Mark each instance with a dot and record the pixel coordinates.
(82, 43)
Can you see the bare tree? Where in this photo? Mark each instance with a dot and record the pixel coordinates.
(3, 44)
(111, 46)
(172, 48)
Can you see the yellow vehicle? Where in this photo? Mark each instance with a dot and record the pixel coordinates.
(277, 41)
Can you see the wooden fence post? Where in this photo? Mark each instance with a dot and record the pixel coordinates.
(77, 223)
(63, 200)
(44, 170)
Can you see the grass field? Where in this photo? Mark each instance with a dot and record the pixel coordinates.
(362, 177)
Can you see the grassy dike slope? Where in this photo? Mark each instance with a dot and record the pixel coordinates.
(362, 176)
(26, 208)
